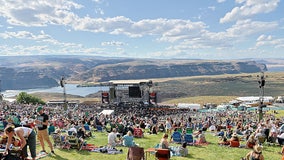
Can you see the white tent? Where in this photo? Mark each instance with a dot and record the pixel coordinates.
(107, 112)
(189, 106)
(254, 99)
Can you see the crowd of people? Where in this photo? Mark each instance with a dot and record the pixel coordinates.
(231, 126)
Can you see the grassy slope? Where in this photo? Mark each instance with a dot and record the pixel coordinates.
(209, 152)
(212, 86)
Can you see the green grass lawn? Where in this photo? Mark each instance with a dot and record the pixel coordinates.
(208, 152)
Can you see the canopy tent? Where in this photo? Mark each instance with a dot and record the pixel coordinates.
(107, 112)
(189, 106)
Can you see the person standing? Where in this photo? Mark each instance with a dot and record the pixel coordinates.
(42, 134)
(168, 126)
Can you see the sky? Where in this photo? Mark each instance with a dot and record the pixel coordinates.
(157, 29)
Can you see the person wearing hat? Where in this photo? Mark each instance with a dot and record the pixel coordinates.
(42, 124)
(251, 141)
(234, 141)
(200, 137)
(255, 154)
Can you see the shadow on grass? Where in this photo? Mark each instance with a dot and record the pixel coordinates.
(82, 152)
(57, 157)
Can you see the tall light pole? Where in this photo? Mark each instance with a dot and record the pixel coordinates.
(1, 95)
(261, 82)
(62, 84)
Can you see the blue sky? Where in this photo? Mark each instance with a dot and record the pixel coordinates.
(188, 29)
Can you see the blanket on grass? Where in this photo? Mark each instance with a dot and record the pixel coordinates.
(107, 150)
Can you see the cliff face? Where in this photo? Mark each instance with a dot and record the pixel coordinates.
(11, 79)
(45, 71)
(124, 71)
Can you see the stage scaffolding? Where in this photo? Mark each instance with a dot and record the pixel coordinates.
(129, 90)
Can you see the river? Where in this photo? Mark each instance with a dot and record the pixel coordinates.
(69, 88)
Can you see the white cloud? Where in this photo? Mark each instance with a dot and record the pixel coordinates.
(249, 8)
(24, 35)
(45, 44)
(45, 12)
(221, 1)
(180, 36)
(99, 11)
(264, 40)
(37, 13)
(98, 1)
(113, 43)
(218, 42)
(212, 8)
(248, 27)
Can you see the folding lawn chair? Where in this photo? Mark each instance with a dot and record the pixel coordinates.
(177, 137)
(163, 154)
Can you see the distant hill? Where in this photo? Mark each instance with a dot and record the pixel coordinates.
(26, 72)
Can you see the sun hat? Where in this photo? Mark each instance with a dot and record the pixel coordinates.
(234, 135)
(257, 148)
(39, 108)
(4, 136)
(57, 131)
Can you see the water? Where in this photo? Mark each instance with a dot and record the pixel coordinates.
(69, 88)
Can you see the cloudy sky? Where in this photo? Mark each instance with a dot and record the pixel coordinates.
(205, 29)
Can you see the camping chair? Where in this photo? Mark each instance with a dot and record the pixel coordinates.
(163, 154)
(179, 130)
(176, 137)
(57, 140)
(135, 153)
(138, 133)
(261, 139)
(1, 126)
(234, 144)
(188, 139)
(73, 141)
(15, 154)
(87, 128)
(189, 130)
(99, 128)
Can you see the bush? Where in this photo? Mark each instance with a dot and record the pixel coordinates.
(24, 98)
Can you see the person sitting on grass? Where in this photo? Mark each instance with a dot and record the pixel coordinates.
(200, 137)
(224, 141)
(112, 138)
(127, 140)
(255, 154)
(251, 141)
(164, 143)
(183, 151)
(234, 141)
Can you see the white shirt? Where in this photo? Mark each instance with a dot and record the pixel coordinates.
(73, 130)
(112, 138)
(281, 136)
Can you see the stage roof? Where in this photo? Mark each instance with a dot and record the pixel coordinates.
(128, 82)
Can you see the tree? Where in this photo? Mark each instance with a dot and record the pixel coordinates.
(25, 98)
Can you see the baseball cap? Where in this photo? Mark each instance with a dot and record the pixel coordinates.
(39, 108)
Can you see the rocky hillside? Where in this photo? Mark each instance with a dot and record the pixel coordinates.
(140, 69)
(26, 72)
